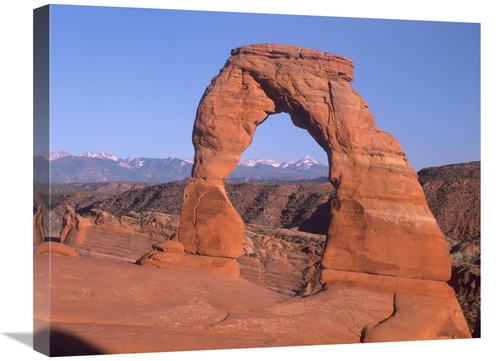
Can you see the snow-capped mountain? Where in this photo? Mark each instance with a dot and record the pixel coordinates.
(101, 167)
(57, 155)
(100, 155)
(302, 164)
(255, 170)
(255, 161)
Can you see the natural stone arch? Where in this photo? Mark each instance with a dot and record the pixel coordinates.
(380, 222)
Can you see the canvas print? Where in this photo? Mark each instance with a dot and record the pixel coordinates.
(211, 180)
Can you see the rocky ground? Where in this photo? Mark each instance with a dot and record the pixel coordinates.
(111, 306)
(102, 301)
(100, 298)
(283, 245)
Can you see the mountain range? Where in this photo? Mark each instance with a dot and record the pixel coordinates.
(62, 167)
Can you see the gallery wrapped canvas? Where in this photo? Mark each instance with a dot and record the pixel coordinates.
(217, 181)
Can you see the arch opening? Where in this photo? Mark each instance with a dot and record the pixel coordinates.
(277, 139)
(300, 165)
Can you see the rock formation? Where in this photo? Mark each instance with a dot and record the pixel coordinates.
(380, 223)
(170, 254)
(69, 227)
(453, 193)
(54, 248)
(38, 230)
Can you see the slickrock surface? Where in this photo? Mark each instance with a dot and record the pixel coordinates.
(113, 306)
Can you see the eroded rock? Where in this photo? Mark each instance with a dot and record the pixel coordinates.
(170, 254)
(38, 230)
(380, 220)
(380, 226)
(54, 248)
(209, 224)
(70, 227)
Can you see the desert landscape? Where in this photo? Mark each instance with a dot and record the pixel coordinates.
(377, 254)
(98, 286)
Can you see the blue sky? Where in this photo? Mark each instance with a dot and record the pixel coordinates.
(127, 81)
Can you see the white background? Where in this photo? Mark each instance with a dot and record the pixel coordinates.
(17, 152)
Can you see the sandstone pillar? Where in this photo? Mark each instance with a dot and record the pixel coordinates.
(210, 225)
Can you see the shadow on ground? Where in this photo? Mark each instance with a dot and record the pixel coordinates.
(56, 343)
(26, 338)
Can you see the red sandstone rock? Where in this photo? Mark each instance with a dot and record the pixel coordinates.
(161, 259)
(170, 254)
(431, 318)
(57, 249)
(38, 230)
(380, 222)
(423, 309)
(210, 226)
(382, 235)
(181, 261)
(169, 246)
(146, 309)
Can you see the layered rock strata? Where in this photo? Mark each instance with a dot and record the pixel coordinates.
(380, 222)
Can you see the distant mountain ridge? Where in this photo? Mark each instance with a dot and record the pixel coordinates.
(62, 167)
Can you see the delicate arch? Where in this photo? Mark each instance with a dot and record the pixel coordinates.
(380, 223)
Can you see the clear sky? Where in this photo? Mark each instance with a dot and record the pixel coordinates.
(127, 81)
